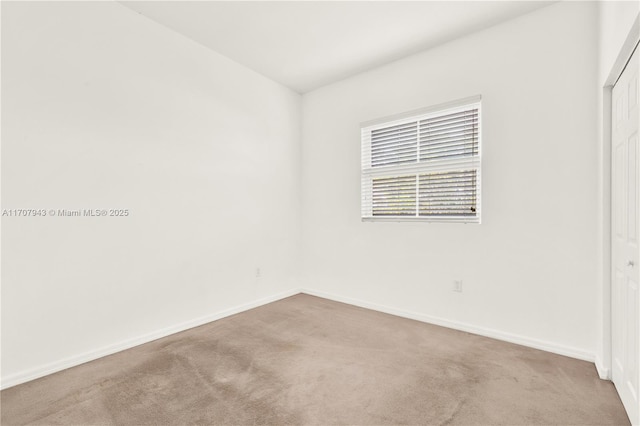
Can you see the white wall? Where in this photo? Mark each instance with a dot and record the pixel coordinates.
(615, 19)
(615, 22)
(529, 269)
(105, 109)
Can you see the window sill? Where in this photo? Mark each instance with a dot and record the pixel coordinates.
(463, 220)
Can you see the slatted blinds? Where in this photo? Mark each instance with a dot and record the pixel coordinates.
(423, 167)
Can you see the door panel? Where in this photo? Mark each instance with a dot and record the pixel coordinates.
(617, 298)
(632, 190)
(625, 262)
(631, 364)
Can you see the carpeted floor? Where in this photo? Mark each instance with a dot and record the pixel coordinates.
(306, 360)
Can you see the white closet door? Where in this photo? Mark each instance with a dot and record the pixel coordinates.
(625, 297)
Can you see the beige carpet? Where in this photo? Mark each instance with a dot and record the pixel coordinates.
(306, 360)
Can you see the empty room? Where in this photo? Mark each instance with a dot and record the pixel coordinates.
(320, 212)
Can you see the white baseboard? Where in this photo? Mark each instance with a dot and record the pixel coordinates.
(603, 371)
(482, 331)
(53, 367)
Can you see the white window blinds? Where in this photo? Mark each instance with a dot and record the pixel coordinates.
(425, 166)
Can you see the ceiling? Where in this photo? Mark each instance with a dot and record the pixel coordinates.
(307, 44)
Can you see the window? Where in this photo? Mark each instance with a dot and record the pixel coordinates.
(424, 165)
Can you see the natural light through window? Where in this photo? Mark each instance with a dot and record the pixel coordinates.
(423, 165)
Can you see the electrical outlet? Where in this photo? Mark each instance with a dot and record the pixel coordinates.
(258, 273)
(457, 286)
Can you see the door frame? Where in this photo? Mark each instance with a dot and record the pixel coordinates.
(603, 359)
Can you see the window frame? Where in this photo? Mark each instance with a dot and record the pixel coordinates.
(369, 172)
